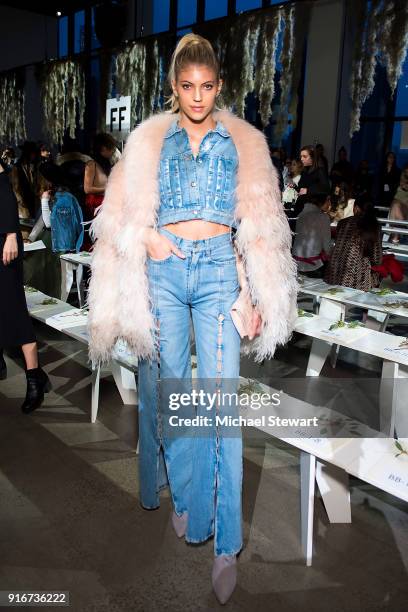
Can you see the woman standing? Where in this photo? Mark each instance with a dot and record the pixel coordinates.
(15, 323)
(97, 171)
(313, 179)
(389, 178)
(187, 181)
(357, 249)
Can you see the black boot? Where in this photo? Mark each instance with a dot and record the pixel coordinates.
(38, 383)
(3, 367)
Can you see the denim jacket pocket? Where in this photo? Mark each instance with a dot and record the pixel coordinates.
(171, 182)
(220, 182)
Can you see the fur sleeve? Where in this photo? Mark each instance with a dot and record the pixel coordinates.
(119, 302)
(264, 241)
(103, 325)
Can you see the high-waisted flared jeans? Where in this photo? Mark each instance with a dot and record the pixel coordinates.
(202, 465)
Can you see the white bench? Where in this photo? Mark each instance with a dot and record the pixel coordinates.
(393, 409)
(73, 322)
(372, 301)
(327, 462)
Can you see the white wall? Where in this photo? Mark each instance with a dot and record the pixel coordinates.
(323, 71)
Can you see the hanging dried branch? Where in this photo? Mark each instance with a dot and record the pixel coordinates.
(266, 64)
(140, 75)
(286, 60)
(63, 94)
(364, 64)
(151, 69)
(246, 80)
(12, 98)
(397, 43)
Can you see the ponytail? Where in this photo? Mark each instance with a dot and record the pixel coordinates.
(191, 49)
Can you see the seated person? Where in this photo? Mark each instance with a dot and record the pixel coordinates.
(313, 236)
(357, 248)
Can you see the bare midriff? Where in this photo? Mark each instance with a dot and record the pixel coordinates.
(197, 229)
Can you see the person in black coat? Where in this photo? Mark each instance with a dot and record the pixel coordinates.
(15, 324)
(313, 179)
(342, 171)
(388, 179)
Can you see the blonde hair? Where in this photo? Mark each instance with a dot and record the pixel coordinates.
(191, 49)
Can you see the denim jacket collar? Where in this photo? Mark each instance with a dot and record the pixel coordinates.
(175, 127)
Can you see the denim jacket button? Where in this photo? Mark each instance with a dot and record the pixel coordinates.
(193, 184)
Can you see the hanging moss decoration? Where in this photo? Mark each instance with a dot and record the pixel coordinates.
(63, 94)
(140, 75)
(397, 43)
(287, 63)
(247, 49)
(266, 66)
(12, 98)
(381, 37)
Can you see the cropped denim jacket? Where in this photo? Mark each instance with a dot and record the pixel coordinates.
(201, 187)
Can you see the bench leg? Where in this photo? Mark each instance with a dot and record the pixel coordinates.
(318, 354)
(388, 397)
(80, 285)
(126, 383)
(67, 279)
(96, 375)
(401, 412)
(333, 483)
(376, 320)
(307, 492)
(335, 311)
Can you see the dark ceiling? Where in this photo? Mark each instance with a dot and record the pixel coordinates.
(48, 7)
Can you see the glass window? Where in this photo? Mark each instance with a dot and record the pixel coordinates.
(247, 5)
(376, 104)
(400, 142)
(79, 29)
(401, 106)
(183, 31)
(186, 12)
(368, 143)
(63, 36)
(95, 44)
(215, 8)
(161, 15)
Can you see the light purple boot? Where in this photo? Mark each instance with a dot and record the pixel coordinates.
(179, 523)
(224, 576)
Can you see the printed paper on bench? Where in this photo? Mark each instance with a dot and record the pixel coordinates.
(377, 463)
(345, 334)
(69, 318)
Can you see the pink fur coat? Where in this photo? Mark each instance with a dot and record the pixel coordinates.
(119, 304)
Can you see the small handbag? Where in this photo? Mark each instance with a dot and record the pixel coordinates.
(242, 309)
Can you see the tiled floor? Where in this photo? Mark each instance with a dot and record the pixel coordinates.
(70, 518)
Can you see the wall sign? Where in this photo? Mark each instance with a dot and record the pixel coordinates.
(118, 114)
